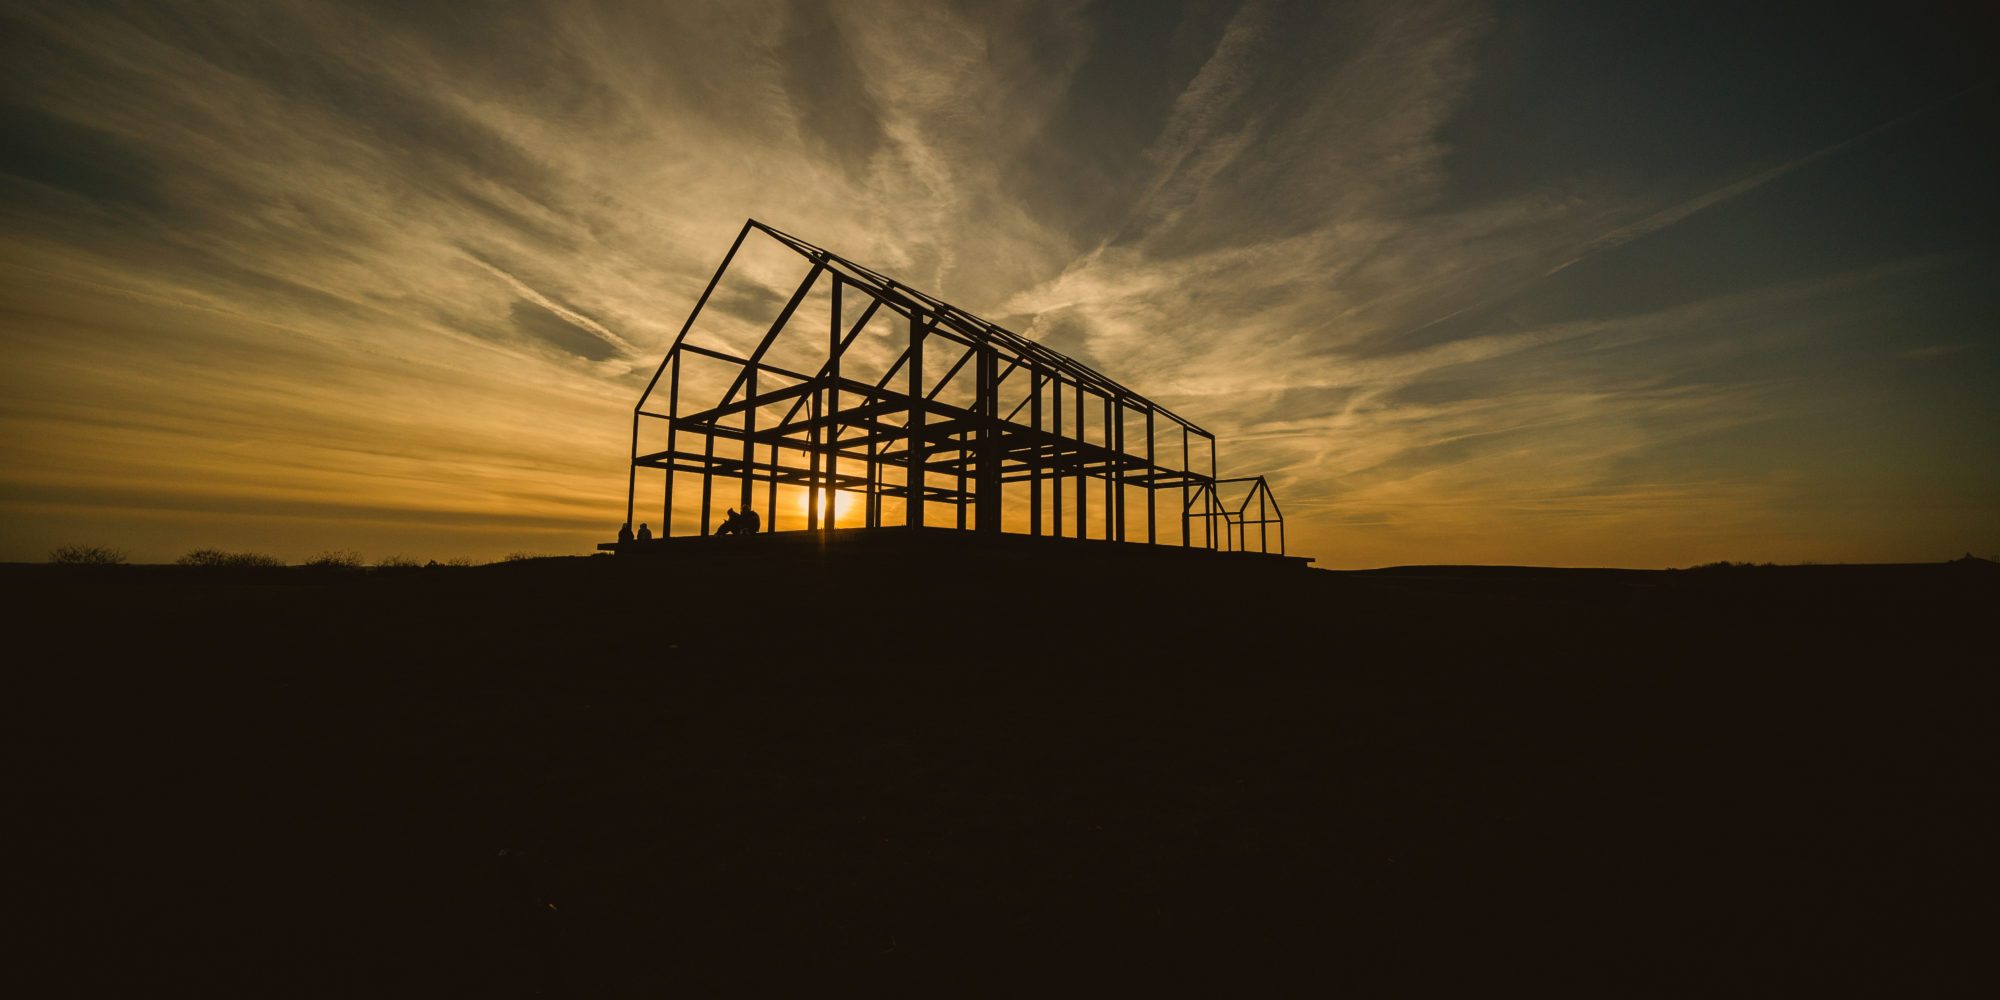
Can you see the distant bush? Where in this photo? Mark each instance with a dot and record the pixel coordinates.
(521, 556)
(86, 555)
(461, 561)
(398, 562)
(218, 559)
(334, 559)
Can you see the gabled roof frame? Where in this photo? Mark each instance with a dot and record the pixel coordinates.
(903, 439)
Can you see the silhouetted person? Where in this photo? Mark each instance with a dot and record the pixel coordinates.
(625, 532)
(645, 533)
(739, 524)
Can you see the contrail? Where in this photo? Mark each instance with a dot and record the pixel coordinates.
(574, 318)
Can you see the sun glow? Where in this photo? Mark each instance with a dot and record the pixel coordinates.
(842, 505)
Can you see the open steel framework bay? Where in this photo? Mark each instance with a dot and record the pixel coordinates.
(866, 402)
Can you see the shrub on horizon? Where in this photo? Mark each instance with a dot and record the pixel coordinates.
(218, 559)
(334, 559)
(398, 562)
(86, 555)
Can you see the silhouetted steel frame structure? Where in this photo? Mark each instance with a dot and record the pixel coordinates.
(838, 433)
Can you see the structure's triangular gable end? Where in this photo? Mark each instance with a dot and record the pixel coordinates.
(812, 380)
(800, 345)
(874, 346)
(751, 290)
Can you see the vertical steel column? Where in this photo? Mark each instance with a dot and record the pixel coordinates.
(1187, 535)
(673, 412)
(749, 434)
(871, 514)
(632, 473)
(707, 476)
(962, 460)
(1214, 501)
(1114, 520)
(812, 470)
(967, 442)
(1035, 463)
(1082, 481)
(871, 505)
(1056, 481)
(771, 497)
(1152, 516)
(914, 479)
(832, 436)
(1263, 530)
(987, 439)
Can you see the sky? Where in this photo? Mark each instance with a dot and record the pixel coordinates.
(1557, 284)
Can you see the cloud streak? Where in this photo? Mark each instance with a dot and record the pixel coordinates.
(363, 264)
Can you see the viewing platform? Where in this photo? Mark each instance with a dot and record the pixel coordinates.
(969, 549)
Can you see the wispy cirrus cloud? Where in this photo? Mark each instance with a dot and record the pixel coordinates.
(409, 264)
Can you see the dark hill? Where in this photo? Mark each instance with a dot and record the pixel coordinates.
(957, 770)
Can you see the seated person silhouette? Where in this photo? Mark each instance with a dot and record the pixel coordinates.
(645, 533)
(739, 525)
(625, 532)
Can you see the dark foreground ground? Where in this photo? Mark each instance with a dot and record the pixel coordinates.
(614, 776)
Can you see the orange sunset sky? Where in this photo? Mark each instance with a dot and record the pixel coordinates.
(1600, 284)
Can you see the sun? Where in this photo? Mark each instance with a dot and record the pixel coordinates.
(842, 504)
